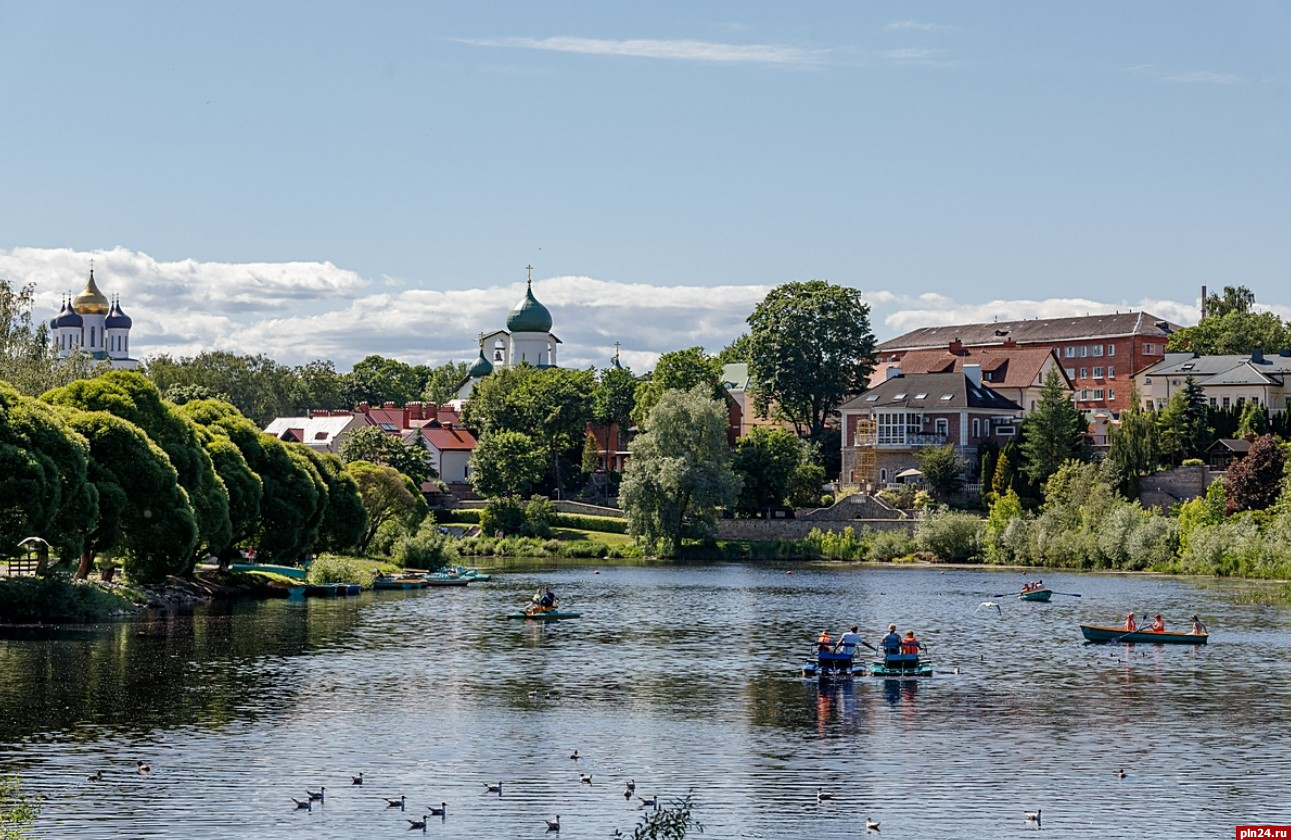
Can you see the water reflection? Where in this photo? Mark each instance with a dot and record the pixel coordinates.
(683, 678)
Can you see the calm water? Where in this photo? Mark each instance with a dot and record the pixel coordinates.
(683, 678)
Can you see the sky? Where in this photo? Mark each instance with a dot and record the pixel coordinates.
(329, 180)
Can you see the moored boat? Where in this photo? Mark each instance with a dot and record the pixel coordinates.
(834, 664)
(901, 665)
(399, 583)
(1036, 595)
(1099, 633)
(468, 572)
(282, 589)
(286, 571)
(322, 590)
(445, 579)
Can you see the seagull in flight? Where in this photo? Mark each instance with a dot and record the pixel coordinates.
(988, 605)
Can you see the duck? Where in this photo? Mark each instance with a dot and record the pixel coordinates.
(533, 695)
(1031, 816)
(356, 780)
(143, 767)
(400, 803)
(316, 795)
(574, 756)
(822, 794)
(649, 802)
(421, 823)
(871, 825)
(303, 804)
(585, 778)
(629, 788)
(1120, 774)
(96, 776)
(489, 787)
(554, 825)
(441, 811)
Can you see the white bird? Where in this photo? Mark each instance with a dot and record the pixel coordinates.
(585, 778)
(988, 605)
(441, 811)
(554, 825)
(421, 823)
(316, 795)
(1032, 816)
(399, 803)
(305, 805)
(492, 788)
(651, 802)
(871, 825)
(143, 767)
(356, 780)
(822, 794)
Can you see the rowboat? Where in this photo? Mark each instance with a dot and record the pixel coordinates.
(323, 590)
(400, 583)
(1036, 595)
(286, 571)
(445, 579)
(468, 572)
(900, 665)
(545, 615)
(1097, 633)
(281, 589)
(829, 664)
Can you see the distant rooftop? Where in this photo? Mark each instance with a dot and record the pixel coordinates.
(1037, 330)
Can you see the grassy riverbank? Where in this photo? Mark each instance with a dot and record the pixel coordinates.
(59, 599)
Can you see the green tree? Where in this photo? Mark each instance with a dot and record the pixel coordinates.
(614, 397)
(738, 351)
(372, 444)
(144, 514)
(1004, 511)
(591, 454)
(806, 485)
(28, 360)
(1254, 420)
(345, 519)
(1231, 327)
(261, 388)
(317, 385)
(678, 474)
(18, 811)
(443, 381)
(1254, 481)
(810, 345)
(387, 497)
(131, 396)
(680, 370)
(671, 822)
(1053, 432)
(765, 460)
(377, 380)
(1006, 469)
(1133, 450)
(943, 470)
(1182, 424)
(506, 463)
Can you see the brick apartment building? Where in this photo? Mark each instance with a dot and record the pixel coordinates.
(1099, 353)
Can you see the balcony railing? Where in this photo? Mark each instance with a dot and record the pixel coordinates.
(913, 439)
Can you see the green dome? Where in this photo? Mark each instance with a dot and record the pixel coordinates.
(482, 367)
(529, 315)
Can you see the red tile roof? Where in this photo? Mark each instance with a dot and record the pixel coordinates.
(1016, 367)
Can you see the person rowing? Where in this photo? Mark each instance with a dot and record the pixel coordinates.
(1158, 624)
(848, 641)
(542, 601)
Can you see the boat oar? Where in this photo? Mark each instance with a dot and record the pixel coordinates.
(1071, 594)
(1127, 633)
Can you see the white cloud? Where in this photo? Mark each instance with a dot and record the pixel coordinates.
(678, 50)
(911, 25)
(1203, 77)
(299, 311)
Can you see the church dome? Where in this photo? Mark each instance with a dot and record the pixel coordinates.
(481, 368)
(529, 315)
(91, 301)
(117, 319)
(67, 317)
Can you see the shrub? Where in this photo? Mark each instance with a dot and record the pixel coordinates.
(601, 524)
(329, 568)
(56, 598)
(461, 515)
(839, 545)
(901, 496)
(504, 515)
(382, 542)
(949, 535)
(426, 549)
(539, 515)
(889, 545)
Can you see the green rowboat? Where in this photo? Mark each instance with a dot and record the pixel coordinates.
(1097, 633)
(549, 615)
(900, 665)
(1036, 595)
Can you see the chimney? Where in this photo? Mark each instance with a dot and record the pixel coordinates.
(974, 374)
(1203, 303)
(363, 407)
(388, 404)
(407, 417)
(415, 410)
(956, 347)
(432, 411)
(892, 372)
(1009, 343)
(1257, 356)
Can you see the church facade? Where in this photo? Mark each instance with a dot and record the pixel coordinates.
(527, 339)
(92, 324)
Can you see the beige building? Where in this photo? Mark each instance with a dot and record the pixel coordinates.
(1227, 381)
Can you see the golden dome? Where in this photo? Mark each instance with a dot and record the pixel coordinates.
(91, 301)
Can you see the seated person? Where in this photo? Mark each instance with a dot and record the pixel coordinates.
(848, 641)
(1158, 624)
(1198, 627)
(891, 643)
(549, 599)
(823, 643)
(1130, 625)
(910, 645)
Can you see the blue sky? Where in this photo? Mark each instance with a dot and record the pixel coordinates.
(332, 179)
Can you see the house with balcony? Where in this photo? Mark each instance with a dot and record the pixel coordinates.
(886, 426)
(1014, 372)
(1227, 381)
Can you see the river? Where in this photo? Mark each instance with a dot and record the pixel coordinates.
(683, 678)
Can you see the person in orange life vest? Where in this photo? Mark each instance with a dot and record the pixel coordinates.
(1130, 626)
(910, 645)
(823, 642)
(1158, 624)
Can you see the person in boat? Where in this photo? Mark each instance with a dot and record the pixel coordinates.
(548, 600)
(848, 641)
(891, 643)
(1158, 624)
(1198, 627)
(1130, 625)
(823, 642)
(910, 645)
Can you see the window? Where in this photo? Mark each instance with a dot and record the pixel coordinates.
(947, 397)
(1225, 403)
(1149, 349)
(1111, 393)
(1111, 349)
(1069, 352)
(1098, 393)
(883, 476)
(1084, 351)
(921, 396)
(1006, 431)
(1213, 402)
(899, 397)
(1111, 371)
(1071, 373)
(1098, 349)
(941, 426)
(1084, 373)
(1098, 373)
(977, 427)
(1084, 394)
(872, 398)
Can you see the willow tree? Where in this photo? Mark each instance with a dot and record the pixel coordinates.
(388, 496)
(679, 472)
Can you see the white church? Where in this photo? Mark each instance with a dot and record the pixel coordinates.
(527, 339)
(94, 325)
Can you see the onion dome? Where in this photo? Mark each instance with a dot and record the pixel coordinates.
(529, 315)
(116, 318)
(481, 368)
(91, 301)
(67, 317)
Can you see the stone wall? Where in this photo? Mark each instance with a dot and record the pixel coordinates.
(796, 529)
(1170, 487)
(855, 506)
